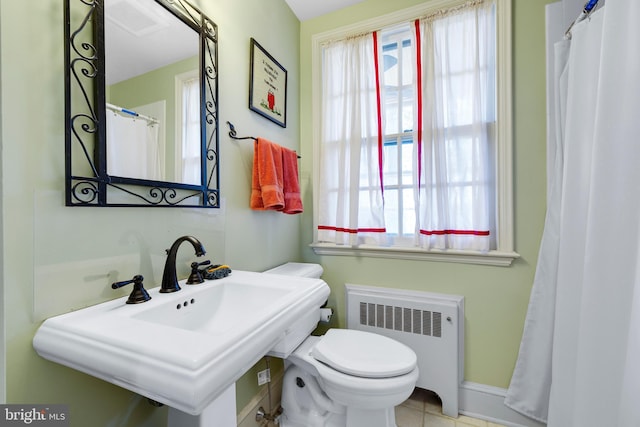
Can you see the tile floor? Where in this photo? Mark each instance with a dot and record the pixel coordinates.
(423, 409)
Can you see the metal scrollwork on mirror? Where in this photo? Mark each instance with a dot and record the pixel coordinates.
(107, 165)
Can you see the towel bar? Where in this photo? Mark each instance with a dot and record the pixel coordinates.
(233, 134)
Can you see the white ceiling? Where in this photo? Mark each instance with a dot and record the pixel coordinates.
(308, 9)
(142, 36)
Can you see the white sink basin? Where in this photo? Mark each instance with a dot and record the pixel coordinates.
(185, 348)
(221, 309)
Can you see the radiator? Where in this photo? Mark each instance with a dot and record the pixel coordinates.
(431, 324)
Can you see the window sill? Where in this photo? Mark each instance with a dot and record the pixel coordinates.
(494, 258)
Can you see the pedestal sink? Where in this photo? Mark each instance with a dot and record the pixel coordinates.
(186, 349)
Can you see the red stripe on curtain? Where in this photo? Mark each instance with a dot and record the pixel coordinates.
(352, 230)
(419, 97)
(458, 232)
(379, 108)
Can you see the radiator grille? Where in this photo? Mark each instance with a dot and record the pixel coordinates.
(403, 319)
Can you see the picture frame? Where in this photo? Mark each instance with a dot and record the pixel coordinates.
(267, 85)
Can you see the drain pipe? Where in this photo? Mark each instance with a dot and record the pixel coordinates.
(271, 416)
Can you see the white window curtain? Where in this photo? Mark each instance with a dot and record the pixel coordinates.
(350, 188)
(191, 147)
(454, 117)
(456, 114)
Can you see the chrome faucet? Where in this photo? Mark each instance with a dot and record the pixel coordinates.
(169, 276)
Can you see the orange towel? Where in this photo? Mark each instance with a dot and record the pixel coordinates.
(291, 185)
(267, 177)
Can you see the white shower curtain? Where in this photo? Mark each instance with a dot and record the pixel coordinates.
(580, 354)
(132, 148)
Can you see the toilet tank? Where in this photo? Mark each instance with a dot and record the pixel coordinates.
(301, 269)
(303, 327)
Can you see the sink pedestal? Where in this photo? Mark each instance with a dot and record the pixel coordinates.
(220, 413)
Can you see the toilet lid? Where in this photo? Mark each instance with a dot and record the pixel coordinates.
(364, 354)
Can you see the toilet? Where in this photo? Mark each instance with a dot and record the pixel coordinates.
(345, 378)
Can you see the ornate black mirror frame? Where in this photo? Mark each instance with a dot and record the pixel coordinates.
(87, 182)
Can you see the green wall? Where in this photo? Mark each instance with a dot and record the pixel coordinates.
(496, 298)
(56, 259)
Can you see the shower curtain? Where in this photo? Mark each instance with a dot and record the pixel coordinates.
(132, 148)
(579, 361)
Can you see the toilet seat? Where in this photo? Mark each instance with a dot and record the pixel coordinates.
(364, 354)
(350, 390)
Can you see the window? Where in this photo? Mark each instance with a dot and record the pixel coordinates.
(188, 143)
(413, 149)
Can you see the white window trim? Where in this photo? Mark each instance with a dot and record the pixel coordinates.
(505, 253)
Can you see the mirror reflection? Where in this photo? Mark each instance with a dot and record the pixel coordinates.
(155, 69)
(152, 93)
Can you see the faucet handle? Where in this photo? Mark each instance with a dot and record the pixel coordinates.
(139, 293)
(196, 275)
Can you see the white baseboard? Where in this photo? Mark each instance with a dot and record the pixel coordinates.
(487, 403)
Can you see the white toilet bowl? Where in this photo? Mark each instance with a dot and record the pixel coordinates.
(321, 388)
(346, 378)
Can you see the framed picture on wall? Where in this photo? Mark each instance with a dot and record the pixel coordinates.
(267, 86)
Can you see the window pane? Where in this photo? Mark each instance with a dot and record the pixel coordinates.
(407, 162)
(390, 64)
(391, 211)
(407, 108)
(391, 111)
(408, 65)
(398, 78)
(408, 212)
(390, 163)
(408, 72)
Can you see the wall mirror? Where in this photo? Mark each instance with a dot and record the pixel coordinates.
(141, 104)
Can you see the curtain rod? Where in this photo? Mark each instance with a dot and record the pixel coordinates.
(429, 15)
(588, 9)
(132, 113)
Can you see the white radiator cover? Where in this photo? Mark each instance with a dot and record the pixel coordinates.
(429, 323)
